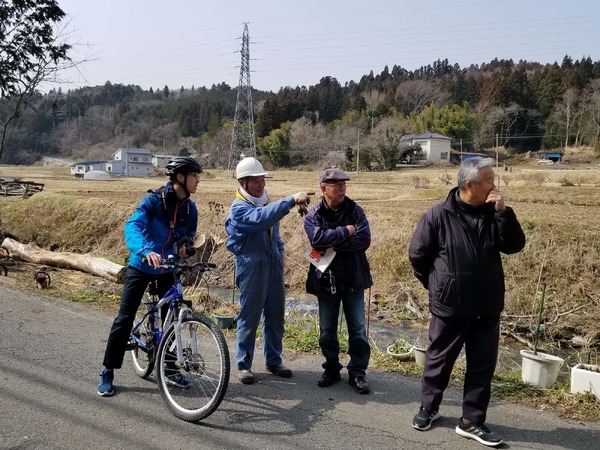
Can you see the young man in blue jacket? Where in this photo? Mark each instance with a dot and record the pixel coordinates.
(339, 223)
(253, 229)
(455, 254)
(161, 225)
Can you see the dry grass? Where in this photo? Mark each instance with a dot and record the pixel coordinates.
(88, 216)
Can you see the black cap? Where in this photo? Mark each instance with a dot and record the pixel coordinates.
(333, 175)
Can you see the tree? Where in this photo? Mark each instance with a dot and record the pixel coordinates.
(33, 49)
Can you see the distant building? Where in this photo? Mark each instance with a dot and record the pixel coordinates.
(555, 157)
(160, 161)
(435, 147)
(131, 162)
(81, 168)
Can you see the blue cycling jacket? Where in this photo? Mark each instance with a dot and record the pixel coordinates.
(157, 225)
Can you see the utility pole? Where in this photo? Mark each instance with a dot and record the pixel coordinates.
(358, 153)
(243, 139)
(461, 156)
(497, 155)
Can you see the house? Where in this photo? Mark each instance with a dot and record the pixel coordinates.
(131, 162)
(160, 161)
(81, 168)
(435, 147)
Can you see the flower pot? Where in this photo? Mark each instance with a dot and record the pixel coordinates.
(224, 322)
(586, 378)
(540, 370)
(419, 355)
(400, 356)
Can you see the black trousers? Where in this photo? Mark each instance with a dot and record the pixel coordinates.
(134, 286)
(480, 336)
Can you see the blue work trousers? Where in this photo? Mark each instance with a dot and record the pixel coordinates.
(359, 350)
(480, 336)
(262, 296)
(134, 286)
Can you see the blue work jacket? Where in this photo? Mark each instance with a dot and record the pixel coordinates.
(255, 229)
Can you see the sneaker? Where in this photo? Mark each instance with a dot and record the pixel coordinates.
(246, 376)
(479, 432)
(328, 378)
(359, 384)
(424, 418)
(280, 371)
(105, 388)
(179, 380)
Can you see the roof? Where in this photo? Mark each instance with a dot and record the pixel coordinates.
(87, 163)
(427, 135)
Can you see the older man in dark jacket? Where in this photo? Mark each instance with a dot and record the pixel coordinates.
(455, 254)
(340, 224)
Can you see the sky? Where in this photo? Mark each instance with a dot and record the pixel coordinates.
(185, 43)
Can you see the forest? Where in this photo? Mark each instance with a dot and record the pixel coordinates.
(522, 106)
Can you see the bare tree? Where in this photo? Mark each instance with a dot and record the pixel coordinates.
(570, 99)
(33, 50)
(416, 95)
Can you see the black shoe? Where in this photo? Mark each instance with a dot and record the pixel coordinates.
(246, 376)
(280, 371)
(359, 384)
(479, 432)
(424, 418)
(328, 378)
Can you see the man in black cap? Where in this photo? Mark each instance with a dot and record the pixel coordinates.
(339, 224)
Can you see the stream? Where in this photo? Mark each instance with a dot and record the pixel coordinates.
(383, 334)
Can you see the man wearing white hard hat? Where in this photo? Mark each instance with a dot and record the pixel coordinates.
(253, 229)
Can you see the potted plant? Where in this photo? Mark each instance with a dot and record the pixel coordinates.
(400, 349)
(585, 377)
(540, 369)
(419, 351)
(224, 317)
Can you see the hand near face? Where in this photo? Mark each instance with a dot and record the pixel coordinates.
(497, 199)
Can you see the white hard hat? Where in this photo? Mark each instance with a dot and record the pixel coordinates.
(249, 167)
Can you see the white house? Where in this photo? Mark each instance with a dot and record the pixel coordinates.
(131, 162)
(435, 146)
(81, 168)
(160, 161)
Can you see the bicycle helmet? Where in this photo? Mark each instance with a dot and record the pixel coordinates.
(183, 165)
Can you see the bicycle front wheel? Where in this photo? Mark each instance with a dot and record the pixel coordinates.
(195, 390)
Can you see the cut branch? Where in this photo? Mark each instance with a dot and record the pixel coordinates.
(85, 263)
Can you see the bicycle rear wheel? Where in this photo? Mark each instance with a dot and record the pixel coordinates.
(194, 391)
(143, 355)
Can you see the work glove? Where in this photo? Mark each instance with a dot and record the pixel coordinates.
(301, 198)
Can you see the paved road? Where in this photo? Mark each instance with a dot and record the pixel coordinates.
(50, 354)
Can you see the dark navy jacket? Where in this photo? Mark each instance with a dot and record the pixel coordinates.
(327, 228)
(464, 278)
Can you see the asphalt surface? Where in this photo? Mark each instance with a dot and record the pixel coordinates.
(50, 357)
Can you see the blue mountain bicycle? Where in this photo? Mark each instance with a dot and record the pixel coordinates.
(189, 351)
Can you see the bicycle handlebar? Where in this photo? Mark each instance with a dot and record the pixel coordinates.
(170, 263)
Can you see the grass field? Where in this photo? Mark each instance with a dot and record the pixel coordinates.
(558, 206)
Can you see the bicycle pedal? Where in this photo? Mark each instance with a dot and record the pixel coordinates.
(131, 345)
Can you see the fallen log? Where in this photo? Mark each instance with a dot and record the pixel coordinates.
(67, 260)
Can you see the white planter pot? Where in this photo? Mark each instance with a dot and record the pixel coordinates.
(419, 355)
(585, 377)
(401, 356)
(540, 370)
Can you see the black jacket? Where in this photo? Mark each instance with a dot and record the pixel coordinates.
(327, 228)
(464, 278)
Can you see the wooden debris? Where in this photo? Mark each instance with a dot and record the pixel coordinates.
(85, 263)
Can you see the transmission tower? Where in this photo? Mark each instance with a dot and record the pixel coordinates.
(243, 140)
